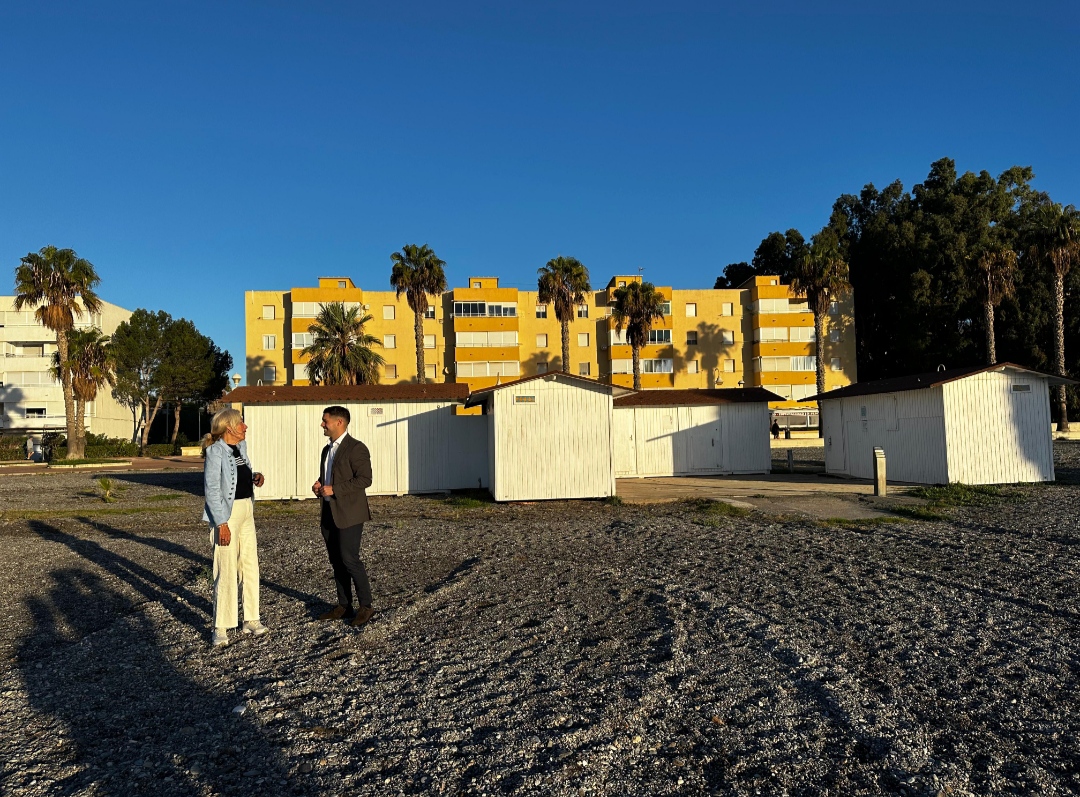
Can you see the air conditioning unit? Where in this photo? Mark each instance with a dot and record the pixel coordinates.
(367, 307)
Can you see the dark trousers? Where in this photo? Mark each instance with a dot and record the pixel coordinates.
(343, 548)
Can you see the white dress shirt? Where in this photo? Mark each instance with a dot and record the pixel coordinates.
(328, 468)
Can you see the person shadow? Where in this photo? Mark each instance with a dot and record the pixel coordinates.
(124, 699)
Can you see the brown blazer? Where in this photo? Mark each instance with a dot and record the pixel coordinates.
(350, 479)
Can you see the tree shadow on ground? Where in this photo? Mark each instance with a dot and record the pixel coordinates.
(113, 713)
(189, 481)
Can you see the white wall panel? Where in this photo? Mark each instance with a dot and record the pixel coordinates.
(998, 435)
(746, 438)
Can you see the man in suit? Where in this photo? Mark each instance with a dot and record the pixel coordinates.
(344, 476)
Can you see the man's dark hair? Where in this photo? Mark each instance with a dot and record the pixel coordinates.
(338, 412)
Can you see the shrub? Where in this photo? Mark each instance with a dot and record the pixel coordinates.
(161, 450)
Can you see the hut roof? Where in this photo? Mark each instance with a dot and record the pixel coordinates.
(406, 391)
(696, 397)
(480, 396)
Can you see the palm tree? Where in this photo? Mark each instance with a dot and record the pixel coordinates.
(54, 281)
(564, 281)
(90, 367)
(821, 274)
(636, 306)
(340, 351)
(418, 273)
(1057, 236)
(997, 277)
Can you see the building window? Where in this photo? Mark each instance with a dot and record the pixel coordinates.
(541, 368)
(727, 308)
(691, 338)
(659, 337)
(834, 364)
(300, 372)
(803, 335)
(834, 308)
(583, 369)
(429, 372)
(390, 371)
(583, 339)
(618, 337)
(430, 312)
(622, 283)
(305, 309)
(541, 311)
(388, 312)
(729, 366)
(508, 368)
(484, 340)
(341, 284)
(35, 412)
(429, 341)
(389, 341)
(692, 366)
(269, 373)
(268, 311)
(508, 309)
(647, 366)
(774, 282)
(666, 308)
(583, 311)
(541, 340)
(691, 309)
(727, 336)
(804, 363)
(834, 335)
(301, 340)
(269, 342)
(476, 284)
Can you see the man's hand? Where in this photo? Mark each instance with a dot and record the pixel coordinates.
(327, 491)
(224, 536)
(317, 488)
(257, 480)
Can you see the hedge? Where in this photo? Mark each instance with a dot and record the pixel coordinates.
(9, 454)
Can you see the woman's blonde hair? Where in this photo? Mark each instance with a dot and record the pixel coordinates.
(223, 421)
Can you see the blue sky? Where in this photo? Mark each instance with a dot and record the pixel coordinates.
(195, 150)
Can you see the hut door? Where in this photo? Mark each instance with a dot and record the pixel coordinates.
(833, 425)
(706, 440)
(625, 445)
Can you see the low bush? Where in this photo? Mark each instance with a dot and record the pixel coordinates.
(161, 450)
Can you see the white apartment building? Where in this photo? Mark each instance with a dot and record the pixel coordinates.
(31, 401)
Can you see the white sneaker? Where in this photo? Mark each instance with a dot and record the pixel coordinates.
(220, 638)
(254, 627)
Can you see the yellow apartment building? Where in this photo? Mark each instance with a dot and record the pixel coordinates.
(758, 334)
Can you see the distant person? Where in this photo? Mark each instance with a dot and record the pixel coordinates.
(344, 476)
(30, 448)
(228, 483)
(775, 430)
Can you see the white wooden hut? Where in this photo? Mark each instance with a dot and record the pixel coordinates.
(549, 436)
(417, 443)
(692, 432)
(978, 425)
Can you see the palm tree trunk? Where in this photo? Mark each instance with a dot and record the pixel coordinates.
(565, 346)
(176, 423)
(819, 359)
(73, 447)
(1059, 346)
(636, 352)
(418, 331)
(80, 431)
(991, 345)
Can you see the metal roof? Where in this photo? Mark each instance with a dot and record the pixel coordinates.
(697, 396)
(933, 379)
(406, 391)
(480, 396)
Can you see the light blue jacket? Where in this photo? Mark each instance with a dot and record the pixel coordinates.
(219, 481)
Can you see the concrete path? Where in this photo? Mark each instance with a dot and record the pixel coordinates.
(137, 463)
(780, 494)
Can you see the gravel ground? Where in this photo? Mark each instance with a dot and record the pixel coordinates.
(557, 649)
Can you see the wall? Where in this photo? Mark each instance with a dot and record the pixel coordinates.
(691, 440)
(558, 446)
(909, 425)
(415, 447)
(997, 435)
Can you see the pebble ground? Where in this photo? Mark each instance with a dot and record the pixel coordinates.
(557, 648)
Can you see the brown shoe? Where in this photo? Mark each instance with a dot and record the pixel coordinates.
(334, 614)
(363, 614)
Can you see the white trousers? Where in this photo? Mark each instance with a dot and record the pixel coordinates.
(236, 564)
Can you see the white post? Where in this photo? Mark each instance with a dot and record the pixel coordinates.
(879, 471)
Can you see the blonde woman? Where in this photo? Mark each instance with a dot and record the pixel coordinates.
(228, 484)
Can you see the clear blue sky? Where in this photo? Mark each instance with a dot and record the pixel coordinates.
(196, 150)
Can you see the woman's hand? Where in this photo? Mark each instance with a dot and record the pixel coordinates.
(224, 536)
(257, 480)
